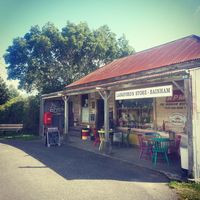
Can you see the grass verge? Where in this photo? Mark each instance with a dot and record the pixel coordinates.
(23, 136)
(186, 191)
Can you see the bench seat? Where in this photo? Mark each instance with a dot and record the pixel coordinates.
(11, 127)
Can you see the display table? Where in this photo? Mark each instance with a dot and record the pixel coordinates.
(133, 136)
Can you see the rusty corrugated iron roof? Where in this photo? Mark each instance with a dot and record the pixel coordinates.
(178, 51)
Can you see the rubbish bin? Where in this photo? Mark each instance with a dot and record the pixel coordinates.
(85, 133)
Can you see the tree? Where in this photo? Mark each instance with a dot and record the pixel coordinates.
(4, 92)
(13, 92)
(48, 59)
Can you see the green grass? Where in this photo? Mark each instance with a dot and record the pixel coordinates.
(22, 136)
(186, 191)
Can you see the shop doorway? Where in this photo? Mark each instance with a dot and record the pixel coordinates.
(71, 114)
(100, 113)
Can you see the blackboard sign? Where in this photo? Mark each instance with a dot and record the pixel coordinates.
(52, 136)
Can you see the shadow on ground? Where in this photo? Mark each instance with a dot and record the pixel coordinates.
(72, 163)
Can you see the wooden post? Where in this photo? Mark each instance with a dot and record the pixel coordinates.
(105, 96)
(66, 119)
(154, 114)
(106, 115)
(41, 128)
(189, 129)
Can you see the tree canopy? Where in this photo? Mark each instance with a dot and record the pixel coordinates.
(4, 92)
(47, 59)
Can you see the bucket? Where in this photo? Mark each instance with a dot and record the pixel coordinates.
(85, 134)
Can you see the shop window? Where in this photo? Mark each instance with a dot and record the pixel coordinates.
(135, 113)
(85, 108)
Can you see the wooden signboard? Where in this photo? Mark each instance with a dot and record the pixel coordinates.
(52, 136)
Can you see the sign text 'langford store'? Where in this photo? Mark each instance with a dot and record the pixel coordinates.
(161, 91)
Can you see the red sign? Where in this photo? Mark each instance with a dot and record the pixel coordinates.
(178, 96)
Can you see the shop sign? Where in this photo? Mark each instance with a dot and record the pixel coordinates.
(161, 91)
(178, 96)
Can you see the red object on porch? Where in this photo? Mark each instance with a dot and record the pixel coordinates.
(96, 137)
(145, 147)
(85, 134)
(47, 118)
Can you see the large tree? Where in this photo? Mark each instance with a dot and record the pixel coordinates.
(4, 92)
(48, 59)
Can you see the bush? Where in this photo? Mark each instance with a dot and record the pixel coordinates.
(12, 111)
(21, 110)
(31, 115)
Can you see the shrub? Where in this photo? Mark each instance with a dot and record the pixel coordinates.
(31, 115)
(21, 110)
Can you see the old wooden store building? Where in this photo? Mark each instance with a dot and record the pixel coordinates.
(156, 90)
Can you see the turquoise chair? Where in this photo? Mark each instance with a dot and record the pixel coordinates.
(160, 146)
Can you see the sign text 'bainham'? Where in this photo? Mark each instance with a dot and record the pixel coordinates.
(161, 91)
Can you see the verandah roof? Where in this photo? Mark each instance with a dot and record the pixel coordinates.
(178, 51)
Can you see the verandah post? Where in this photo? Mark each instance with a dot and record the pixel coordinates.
(189, 130)
(66, 118)
(106, 147)
(41, 129)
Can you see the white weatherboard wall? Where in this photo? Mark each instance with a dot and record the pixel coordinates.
(195, 73)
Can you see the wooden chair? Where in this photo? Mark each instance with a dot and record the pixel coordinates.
(160, 146)
(174, 147)
(145, 147)
(96, 137)
(118, 138)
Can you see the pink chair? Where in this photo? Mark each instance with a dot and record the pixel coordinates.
(145, 147)
(174, 148)
(96, 137)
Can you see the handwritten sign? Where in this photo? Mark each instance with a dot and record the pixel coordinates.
(53, 136)
(161, 91)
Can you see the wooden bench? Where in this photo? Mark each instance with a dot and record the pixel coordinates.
(11, 127)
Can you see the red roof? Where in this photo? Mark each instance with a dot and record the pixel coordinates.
(178, 51)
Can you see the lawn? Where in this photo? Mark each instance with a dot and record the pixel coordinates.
(22, 136)
(186, 191)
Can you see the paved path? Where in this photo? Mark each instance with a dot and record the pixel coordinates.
(30, 171)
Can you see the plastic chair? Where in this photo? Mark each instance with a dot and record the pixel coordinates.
(118, 138)
(160, 146)
(152, 134)
(125, 139)
(145, 147)
(96, 137)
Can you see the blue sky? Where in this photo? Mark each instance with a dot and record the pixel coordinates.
(146, 23)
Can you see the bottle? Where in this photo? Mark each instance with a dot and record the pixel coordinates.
(163, 125)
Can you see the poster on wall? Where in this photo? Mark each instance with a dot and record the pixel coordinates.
(177, 119)
(55, 107)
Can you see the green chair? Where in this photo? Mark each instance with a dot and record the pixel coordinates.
(125, 139)
(160, 146)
